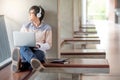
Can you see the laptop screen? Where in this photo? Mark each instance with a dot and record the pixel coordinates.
(24, 39)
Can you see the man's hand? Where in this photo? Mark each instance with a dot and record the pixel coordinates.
(37, 46)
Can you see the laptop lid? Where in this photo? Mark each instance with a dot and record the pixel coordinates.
(24, 39)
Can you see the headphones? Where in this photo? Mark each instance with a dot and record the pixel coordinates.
(39, 13)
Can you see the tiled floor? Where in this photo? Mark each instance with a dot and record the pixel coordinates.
(110, 40)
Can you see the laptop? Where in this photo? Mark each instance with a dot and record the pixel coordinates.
(24, 39)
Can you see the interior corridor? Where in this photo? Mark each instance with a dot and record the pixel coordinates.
(109, 36)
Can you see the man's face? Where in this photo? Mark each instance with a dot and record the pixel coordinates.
(32, 15)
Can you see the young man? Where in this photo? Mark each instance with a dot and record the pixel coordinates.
(32, 57)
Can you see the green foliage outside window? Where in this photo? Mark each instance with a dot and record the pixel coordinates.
(96, 10)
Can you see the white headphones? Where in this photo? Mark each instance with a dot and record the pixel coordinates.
(39, 13)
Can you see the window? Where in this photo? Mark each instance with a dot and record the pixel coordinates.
(4, 43)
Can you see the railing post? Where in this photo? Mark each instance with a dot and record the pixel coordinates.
(76, 76)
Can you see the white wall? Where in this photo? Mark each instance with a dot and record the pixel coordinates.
(16, 14)
(77, 14)
(84, 8)
(66, 18)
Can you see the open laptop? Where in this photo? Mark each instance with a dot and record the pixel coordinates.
(24, 39)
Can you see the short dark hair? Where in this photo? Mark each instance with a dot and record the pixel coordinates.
(36, 10)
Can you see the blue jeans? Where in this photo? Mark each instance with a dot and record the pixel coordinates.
(27, 53)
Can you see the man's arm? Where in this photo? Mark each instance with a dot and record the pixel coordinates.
(48, 41)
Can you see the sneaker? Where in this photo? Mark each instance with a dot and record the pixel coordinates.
(37, 65)
(15, 60)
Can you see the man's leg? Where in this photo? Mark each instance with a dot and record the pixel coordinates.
(40, 55)
(31, 56)
(37, 63)
(27, 53)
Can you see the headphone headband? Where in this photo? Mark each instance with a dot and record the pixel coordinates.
(39, 13)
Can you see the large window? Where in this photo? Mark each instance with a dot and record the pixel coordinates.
(4, 43)
(97, 10)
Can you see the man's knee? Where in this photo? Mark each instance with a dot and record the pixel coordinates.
(23, 48)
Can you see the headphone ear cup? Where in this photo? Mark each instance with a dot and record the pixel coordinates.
(38, 15)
